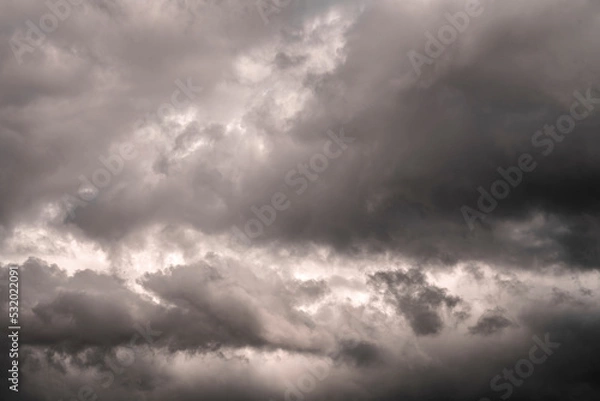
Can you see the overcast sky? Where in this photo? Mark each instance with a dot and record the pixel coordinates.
(291, 200)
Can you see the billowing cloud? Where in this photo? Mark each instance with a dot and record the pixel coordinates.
(492, 321)
(421, 303)
(301, 200)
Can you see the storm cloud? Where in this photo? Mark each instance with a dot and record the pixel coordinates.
(301, 200)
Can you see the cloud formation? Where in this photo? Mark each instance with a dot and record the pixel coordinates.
(137, 136)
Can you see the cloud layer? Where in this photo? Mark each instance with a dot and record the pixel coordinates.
(229, 200)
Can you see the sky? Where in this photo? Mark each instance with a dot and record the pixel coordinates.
(290, 200)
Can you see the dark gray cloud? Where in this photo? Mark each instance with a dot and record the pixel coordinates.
(372, 272)
(491, 322)
(205, 317)
(420, 152)
(360, 353)
(421, 303)
(200, 308)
